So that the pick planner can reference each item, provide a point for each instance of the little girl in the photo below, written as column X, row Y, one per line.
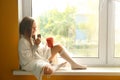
column 36, row 57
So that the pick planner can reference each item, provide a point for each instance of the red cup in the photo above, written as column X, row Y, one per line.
column 49, row 42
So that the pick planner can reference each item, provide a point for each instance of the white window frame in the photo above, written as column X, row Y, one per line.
column 106, row 36
column 24, row 8
column 111, row 34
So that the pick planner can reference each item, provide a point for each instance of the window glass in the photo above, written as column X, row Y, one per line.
column 117, row 28
column 73, row 23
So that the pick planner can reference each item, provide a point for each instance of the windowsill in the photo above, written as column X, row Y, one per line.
column 102, row 71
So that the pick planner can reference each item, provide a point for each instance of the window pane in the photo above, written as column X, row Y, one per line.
column 117, row 28
column 74, row 23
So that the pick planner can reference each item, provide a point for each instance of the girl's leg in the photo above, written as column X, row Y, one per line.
column 74, row 65
column 65, row 55
column 48, row 69
column 56, row 49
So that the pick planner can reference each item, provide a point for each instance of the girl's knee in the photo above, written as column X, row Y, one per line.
column 59, row 46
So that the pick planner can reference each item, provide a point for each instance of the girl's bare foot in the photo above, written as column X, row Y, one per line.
column 56, row 67
column 78, row 67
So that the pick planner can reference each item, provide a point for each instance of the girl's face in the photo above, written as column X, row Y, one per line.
column 34, row 28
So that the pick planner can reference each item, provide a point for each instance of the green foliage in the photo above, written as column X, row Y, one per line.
column 62, row 26
column 59, row 23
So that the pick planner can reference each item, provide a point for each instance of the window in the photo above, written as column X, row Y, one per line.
column 113, row 32
column 70, row 23
column 89, row 29
column 117, row 28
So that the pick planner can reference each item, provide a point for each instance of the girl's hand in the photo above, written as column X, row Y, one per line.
column 37, row 41
column 48, row 69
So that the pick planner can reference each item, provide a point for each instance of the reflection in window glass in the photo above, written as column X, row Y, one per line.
column 74, row 23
